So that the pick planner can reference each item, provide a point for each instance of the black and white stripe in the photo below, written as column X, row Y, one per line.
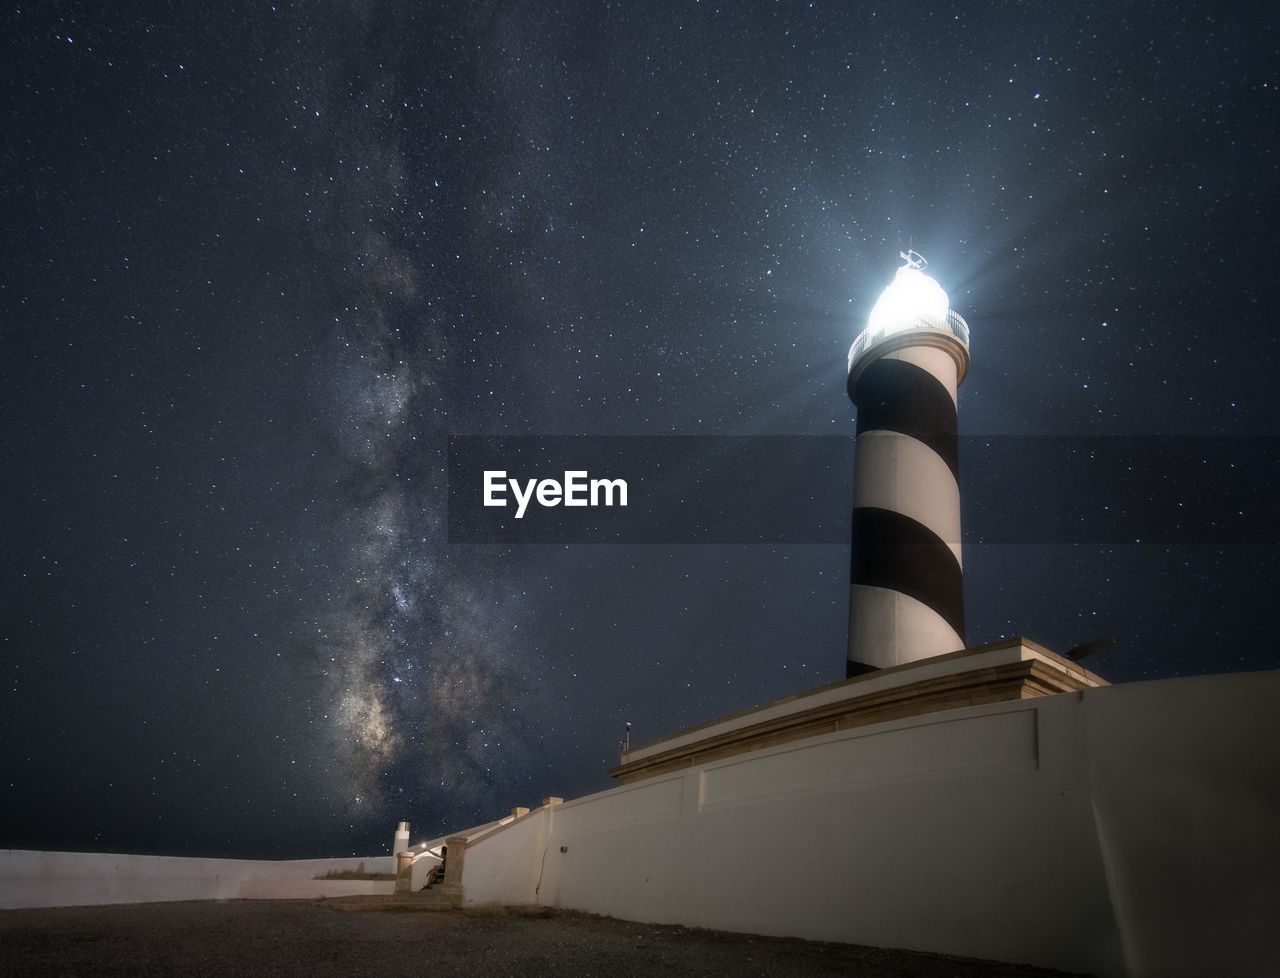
column 907, row 595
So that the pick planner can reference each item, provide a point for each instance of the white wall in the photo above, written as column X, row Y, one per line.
column 61, row 879
column 510, row 871
column 1186, row 804
column 1127, row 829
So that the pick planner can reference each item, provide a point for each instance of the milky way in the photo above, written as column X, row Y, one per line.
column 427, row 698
column 429, row 694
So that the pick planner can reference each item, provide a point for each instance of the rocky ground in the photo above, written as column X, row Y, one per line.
column 314, row 939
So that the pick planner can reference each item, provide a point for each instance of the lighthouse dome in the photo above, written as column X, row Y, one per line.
column 913, row 311
column 912, row 300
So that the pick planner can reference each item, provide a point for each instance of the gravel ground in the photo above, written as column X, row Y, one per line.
column 312, row 939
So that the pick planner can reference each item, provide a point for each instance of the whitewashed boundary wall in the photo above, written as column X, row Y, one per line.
column 63, row 879
column 1123, row 830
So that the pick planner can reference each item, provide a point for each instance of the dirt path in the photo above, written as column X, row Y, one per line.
column 302, row 938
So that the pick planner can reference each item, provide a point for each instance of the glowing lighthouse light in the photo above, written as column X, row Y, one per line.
column 912, row 299
column 912, row 307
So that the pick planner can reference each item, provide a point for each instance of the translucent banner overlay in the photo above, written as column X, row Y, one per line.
column 799, row 489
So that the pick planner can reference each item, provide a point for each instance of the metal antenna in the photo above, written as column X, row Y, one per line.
column 913, row 259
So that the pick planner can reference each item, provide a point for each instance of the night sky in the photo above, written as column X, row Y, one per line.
column 260, row 262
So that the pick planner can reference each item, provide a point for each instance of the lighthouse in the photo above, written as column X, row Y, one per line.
column 906, row 594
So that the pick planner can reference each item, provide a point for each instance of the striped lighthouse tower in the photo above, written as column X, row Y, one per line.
column 907, row 596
